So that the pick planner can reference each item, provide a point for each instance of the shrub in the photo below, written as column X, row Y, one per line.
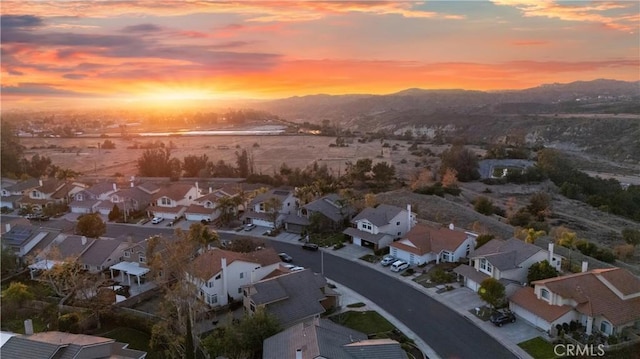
column 338, row 246
column 623, row 251
column 69, row 322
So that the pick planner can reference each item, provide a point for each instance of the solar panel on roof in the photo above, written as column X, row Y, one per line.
column 281, row 193
column 18, row 234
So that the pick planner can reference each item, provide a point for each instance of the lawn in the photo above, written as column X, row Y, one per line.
column 370, row 258
column 538, row 348
column 368, row 322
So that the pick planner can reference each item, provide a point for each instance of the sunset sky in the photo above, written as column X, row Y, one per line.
column 111, row 52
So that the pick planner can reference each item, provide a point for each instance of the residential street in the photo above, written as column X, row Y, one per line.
column 446, row 332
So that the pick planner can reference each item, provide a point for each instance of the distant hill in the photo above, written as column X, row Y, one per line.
column 560, row 114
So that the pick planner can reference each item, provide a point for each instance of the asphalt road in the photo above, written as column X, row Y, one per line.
column 447, row 333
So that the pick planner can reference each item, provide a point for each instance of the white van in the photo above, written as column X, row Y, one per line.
column 399, row 265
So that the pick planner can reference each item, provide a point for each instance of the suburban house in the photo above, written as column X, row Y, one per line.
column 127, row 199
column 259, row 212
column 378, row 227
column 103, row 253
column 322, row 338
column 603, row 300
column 25, row 240
column 172, row 200
column 11, row 191
column 507, row 261
column 220, row 275
column 424, row 244
column 205, row 208
column 87, row 200
column 134, row 262
column 48, row 192
column 292, row 298
column 330, row 210
column 64, row 345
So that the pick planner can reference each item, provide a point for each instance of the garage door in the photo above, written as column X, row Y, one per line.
column 261, row 222
column 529, row 317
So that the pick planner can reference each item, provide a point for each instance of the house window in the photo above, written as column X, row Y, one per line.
column 605, row 327
column 209, row 284
column 545, row 294
column 127, row 254
column 79, row 197
column 485, row 266
column 398, row 223
column 165, row 201
column 217, row 277
column 261, row 207
column 212, row 298
column 244, row 293
column 252, row 307
column 142, row 258
column 241, row 275
column 34, row 194
column 239, row 290
column 367, row 226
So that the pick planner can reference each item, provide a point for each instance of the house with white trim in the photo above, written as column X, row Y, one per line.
column 507, row 261
column 220, row 275
column 602, row 300
column 87, row 200
column 172, row 200
column 425, row 244
column 259, row 214
column 377, row 227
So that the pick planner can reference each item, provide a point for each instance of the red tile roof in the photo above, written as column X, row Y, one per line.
column 423, row 239
column 606, row 292
column 526, row 298
column 209, row 263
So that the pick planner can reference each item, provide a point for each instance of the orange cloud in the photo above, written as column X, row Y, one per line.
column 584, row 12
column 259, row 11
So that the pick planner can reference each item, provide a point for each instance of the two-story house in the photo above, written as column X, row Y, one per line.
column 48, row 192
column 424, row 244
column 220, row 274
column 134, row 262
column 507, row 261
column 205, row 208
column 25, row 240
column 127, row 199
column 292, row 298
column 330, row 211
column 172, row 200
column 603, row 300
column 270, row 208
column 378, row 227
column 87, row 200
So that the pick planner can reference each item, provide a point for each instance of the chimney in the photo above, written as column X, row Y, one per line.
column 210, row 189
column 223, row 264
column 409, row 218
column 585, row 266
column 452, row 226
column 40, row 182
column 550, row 259
column 28, row 327
column 7, row 227
column 115, row 187
column 298, row 353
column 84, row 240
column 197, row 189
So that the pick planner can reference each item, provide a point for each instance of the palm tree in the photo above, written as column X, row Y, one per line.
column 228, row 207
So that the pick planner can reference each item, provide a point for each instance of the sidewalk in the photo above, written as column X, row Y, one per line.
column 462, row 300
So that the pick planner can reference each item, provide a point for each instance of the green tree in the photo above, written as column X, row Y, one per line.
column 38, row 166
column 195, row 166
column 242, row 162
column 108, row 145
column 242, row 340
column 492, row 292
column 16, row 294
column 462, row 160
column 540, row 205
column 8, row 260
column 155, row 162
column 11, row 151
column 360, row 170
column 383, row 173
column 483, row 205
column 272, row 207
column 631, row 236
column 541, row 270
column 91, row 225
column 115, row 214
column 201, row 235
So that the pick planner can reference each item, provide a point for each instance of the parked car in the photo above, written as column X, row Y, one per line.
column 387, row 260
column 157, row 220
column 399, row 265
column 310, row 246
column 296, row 268
column 248, row 227
column 285, row 257
column 502, row 317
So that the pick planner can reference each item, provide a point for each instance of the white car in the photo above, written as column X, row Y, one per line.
column 296, row 268
column 399, row 265
column 387, row 260
column 157, row 220
column 249, row 227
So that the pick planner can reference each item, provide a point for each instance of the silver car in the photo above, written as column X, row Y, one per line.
column 387, row 260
